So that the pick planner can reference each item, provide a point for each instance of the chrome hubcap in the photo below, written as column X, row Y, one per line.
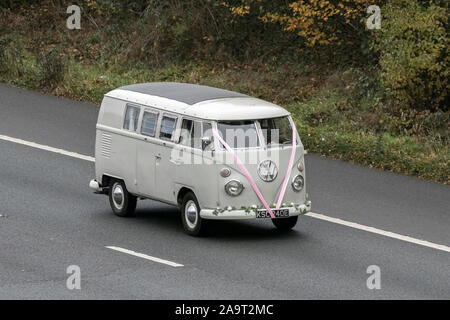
column 117, row 196
column 191, row 214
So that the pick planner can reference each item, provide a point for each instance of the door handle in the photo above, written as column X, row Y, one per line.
column 158, row 156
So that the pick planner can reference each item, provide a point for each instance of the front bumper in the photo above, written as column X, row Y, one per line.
column 240, row 214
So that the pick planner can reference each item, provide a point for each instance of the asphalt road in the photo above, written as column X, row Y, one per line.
column 50, row 219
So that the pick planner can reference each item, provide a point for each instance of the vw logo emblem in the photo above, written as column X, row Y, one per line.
column 267, row 170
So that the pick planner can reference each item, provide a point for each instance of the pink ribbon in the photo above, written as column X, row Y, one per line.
column 249, row 178
column 289, row 169
column 244, row 172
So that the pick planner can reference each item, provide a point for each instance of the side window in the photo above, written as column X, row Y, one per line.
column 131, row 118
column 149, row 120
column 191, row 131
column 186, row 128
column 197, row 135
column 207, row 130
column 207, row 133
column 167, row 127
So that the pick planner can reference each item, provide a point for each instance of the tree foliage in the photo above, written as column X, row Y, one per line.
column 413, row 47
column 321, row 22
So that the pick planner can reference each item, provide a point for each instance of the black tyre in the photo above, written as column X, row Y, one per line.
column 193, row 224
column 285, row 223
column 122, row 202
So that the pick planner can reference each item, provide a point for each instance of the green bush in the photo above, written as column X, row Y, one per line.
column 52, row 68
column 412, row 45
column 160, row 31
column 3, row 55
column 11, row 58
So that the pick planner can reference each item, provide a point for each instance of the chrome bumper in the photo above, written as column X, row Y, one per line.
column 240, row 214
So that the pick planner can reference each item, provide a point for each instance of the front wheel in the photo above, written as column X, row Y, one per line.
column 193, row 224
column 122, row 202
column 285, row 223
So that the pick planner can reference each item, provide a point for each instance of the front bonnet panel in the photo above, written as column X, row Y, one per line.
column 269, row 189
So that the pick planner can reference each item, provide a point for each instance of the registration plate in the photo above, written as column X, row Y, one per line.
column 280, row 213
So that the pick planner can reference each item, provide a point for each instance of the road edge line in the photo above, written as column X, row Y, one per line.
column 47, row 148
column 379, row 231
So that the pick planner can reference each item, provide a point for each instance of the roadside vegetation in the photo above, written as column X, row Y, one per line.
column 374, row 97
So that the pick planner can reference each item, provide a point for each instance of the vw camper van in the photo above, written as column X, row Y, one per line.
column 216, row 154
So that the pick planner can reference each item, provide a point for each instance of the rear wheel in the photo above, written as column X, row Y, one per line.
column 285, row 223
column 123, row 204
column 193, row 224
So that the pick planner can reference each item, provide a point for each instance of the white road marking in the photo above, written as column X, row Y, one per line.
column 310, row 214
column 144, row 256
column 48, row 148
column 379, row 231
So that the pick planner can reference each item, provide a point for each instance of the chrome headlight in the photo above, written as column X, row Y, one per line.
column 297, row 183
column 234, row 188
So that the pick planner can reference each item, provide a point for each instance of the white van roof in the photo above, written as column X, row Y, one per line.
column 198, row 101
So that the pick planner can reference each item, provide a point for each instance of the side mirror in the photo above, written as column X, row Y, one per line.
column 206, row 141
